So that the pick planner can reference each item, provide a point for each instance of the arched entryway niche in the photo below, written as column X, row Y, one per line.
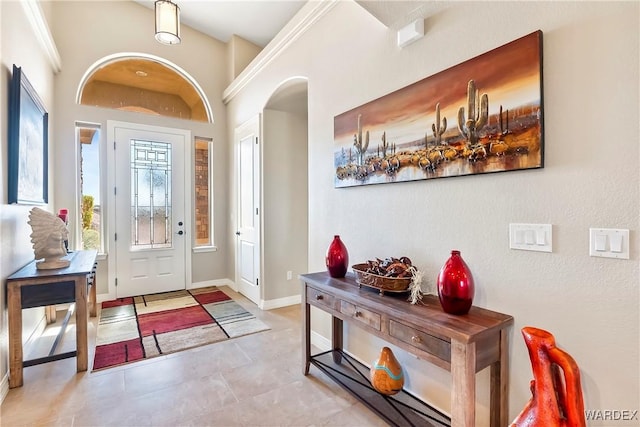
column 285, row 188
column 146, row 84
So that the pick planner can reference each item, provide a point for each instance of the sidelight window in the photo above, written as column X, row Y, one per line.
column 203, row 194
column 90, row 223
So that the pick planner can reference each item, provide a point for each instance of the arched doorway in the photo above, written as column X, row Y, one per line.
column 148, row 84
column 285, row 189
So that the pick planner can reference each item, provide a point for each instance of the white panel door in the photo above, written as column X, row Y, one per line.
column 248, row 221
column 150, row 192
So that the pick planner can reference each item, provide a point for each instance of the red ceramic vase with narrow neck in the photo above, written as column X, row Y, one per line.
column 337, row 258
column 455, row 285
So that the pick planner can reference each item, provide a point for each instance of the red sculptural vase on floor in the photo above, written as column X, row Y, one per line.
column 455, row 285
column 337, row 258
column 557, row 400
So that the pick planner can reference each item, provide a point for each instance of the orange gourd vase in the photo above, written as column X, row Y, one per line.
column 557, row 399
column 386, row 373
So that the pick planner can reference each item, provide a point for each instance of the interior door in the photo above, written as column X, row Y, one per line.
column 150, row 195
column 248, row 220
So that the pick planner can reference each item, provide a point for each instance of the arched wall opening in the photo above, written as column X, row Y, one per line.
column 143, row 83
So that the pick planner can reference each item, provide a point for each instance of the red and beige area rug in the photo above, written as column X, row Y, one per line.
column 147, row 326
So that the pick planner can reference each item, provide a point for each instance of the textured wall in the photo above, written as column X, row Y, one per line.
column 590, row 179
column 19, row 46
column 284, row 154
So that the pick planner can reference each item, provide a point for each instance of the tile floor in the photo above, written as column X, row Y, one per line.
column 255, row 380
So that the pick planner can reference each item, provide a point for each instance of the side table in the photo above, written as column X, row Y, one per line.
column 30, row 287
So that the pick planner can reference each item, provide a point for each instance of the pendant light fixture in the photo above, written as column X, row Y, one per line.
column 167, row 22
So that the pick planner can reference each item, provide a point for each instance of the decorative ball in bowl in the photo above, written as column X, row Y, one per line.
column 388, row 275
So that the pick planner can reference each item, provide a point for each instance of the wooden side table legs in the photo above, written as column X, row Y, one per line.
column 14, row 300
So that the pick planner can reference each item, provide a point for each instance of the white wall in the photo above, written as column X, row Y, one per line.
column 285, row 244
column 590, row 179
column 128, row 27
column 240, row 53
column 19, row 45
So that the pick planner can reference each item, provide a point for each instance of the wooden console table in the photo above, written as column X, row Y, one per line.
column 463, row 345
column 30, row 287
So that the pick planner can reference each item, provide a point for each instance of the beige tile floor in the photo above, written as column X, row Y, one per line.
column 255, row 380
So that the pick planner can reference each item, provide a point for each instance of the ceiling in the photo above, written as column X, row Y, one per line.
column 257, row 21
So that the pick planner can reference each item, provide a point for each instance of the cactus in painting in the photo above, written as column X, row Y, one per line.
column 504, row 127
column 361, row 146
column 498, row 146
column 437, row 127
column 385, row 144
column 478, row 114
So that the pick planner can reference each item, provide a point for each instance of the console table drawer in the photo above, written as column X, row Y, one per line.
column 421, row 340
column 317, row 297
column 360, row 314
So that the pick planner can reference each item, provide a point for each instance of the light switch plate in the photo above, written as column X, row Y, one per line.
column 609, row 243
column 531, row 237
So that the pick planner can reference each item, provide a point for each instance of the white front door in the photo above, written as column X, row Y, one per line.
column 150, row 195
column 248, row 221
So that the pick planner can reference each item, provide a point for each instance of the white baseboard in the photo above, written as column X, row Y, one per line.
column 218, row 282
column 323, row 344
column 264, row 304
column 104, row 297
column 36, row 333
column 280, row 302
column 4, row 387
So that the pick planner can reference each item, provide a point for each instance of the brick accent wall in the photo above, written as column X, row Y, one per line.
column 202, row 192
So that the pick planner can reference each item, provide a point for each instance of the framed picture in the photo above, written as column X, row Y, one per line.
column 28, row 140
column 481, row 116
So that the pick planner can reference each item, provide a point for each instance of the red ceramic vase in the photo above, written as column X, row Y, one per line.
column 455, row 285
column 337, row 258
column 556, row 389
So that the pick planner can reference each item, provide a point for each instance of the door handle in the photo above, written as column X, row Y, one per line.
column 237, row 233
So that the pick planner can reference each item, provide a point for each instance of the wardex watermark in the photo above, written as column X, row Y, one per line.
column 611, row 414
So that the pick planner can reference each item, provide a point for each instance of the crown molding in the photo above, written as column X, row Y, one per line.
column 41, row 30
column 304, row 20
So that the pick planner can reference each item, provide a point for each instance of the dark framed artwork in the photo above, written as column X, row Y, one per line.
column 481, row 116
column 28, row 141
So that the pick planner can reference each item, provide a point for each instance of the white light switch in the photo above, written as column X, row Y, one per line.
column 528, row 237
column 616, row 243
column 609, row 243
column 531, row 237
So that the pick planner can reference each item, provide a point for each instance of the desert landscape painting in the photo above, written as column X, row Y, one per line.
column 481, row 116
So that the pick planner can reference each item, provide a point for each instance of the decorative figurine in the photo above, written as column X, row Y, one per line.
column 48, row 236
column 386, row 373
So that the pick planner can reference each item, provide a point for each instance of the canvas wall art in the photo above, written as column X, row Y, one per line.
column 481, row 116
column 27, row 152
